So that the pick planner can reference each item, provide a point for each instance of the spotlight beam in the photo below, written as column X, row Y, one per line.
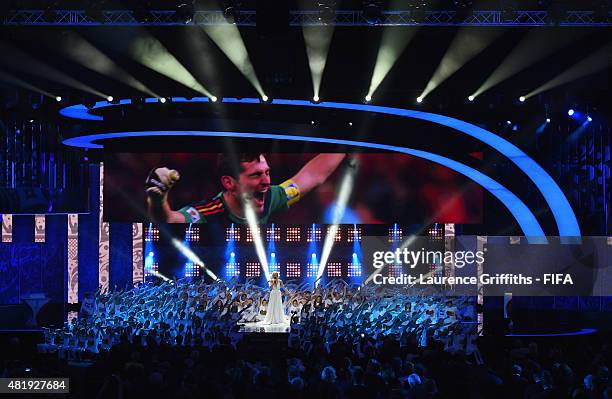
column 394, row 41
column 228, row 39
column 317, row 40
column 189, row 254
column 346, row 187
column 251, row 218
column 22, row 61
column 7, row 77
column 595, row 62
column 467, row 44
column 80, row 50
column 534, row 47
column 151, row 53
column 159, row 275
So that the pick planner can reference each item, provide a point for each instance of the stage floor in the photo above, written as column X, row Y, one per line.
column 260, row 327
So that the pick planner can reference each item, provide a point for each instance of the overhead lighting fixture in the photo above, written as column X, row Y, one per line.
column 327, row 11
column 315, row 99
column 162, row 100
column 547, row 120
column 419, row 100
column 372, row 12
column 141, row 13
column 265, row 98
column 522, row 99
column 213, row 99
column 185, row 12
column 368, row 98
column 470, row 98
column 58, row 98
column 463, row 10
column 109, row 99
column 231, row 12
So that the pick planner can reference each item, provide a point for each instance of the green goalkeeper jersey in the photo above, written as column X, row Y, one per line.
column 277, row 199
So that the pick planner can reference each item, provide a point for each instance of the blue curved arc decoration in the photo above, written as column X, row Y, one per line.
column 523, row 215
column 564, row 216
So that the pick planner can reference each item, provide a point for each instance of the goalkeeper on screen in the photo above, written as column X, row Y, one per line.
column 245, row 181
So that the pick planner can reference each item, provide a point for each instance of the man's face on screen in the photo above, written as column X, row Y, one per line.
column 253, row 183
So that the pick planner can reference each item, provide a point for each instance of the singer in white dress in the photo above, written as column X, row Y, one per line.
column 276, row 312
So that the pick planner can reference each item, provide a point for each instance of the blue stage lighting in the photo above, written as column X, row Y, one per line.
column 233, row 255
column 570, row 112
column 354, row 254
column 508, row 122
column 314, row 255
column 589, row 119
column 273, row 255
column 563, row 214
column 151, row 254
column 547, row 120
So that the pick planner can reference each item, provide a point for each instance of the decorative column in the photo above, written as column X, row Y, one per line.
column 103, row 242
column 73, row 258
column 137, row 259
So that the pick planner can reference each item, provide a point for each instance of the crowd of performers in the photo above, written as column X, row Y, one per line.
column 191, row 312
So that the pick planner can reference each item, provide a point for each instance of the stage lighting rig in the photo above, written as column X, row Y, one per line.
column 231, row 11
column 141, row 11
column 185, row 12
column 93, row 10
column 50, row 12
column 508, row 13
column 113, row 100
column 327, row 11
column 372, row 12
column 463, row 10
column 557, row 11
column 417, row 10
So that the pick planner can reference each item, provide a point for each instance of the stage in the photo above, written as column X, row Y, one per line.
column 260, row 327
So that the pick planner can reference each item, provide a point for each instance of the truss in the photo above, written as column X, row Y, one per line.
column 308, row 18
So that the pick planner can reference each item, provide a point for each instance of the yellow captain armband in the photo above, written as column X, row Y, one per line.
column 292, row 191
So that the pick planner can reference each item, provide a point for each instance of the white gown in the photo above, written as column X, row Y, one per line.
column 275, row 313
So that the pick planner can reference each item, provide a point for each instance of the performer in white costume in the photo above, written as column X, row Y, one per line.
column 275, row 313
